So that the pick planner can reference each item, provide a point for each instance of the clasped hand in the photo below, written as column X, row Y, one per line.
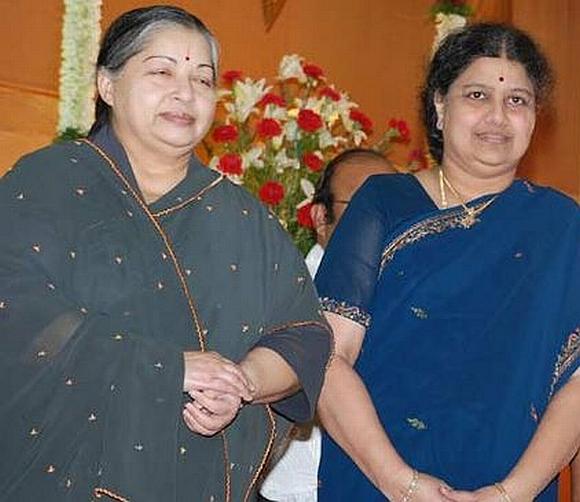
column 217, row 387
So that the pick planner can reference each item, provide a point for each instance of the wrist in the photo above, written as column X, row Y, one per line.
column 396, row 484
column 248, row 367
column 516, row 490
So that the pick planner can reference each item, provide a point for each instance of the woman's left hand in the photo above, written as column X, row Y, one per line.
column 210, row 412
column 486, row 494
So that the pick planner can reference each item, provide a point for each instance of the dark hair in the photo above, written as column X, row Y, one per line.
column 130, row 32
column 323, row 194
column 462, row 47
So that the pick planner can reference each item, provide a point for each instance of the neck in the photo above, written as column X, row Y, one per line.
column 156, row 172
column 470, row 186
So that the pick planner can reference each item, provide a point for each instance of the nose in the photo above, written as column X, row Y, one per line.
column 497, row 111
column 183, row 89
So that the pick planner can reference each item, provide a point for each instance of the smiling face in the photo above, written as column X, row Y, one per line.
column 487, row 117
column 163, row 99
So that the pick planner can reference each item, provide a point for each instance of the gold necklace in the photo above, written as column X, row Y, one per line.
column 470, row 214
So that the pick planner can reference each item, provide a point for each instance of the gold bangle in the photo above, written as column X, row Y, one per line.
column 503, row 493
column 413, row 485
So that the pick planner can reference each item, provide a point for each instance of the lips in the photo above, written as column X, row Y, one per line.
column 494, row 138
column 179, row 118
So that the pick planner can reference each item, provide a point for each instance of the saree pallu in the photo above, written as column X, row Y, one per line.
column 471, row 330
column 100, row 294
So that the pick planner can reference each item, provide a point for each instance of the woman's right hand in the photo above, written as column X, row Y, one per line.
column 430, row 489
column 427, row 489
column 211, row 371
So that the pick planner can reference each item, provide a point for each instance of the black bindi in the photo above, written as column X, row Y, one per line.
column 501, row 79
column 187, row 58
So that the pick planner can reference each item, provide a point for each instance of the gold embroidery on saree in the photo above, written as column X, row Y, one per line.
column 431, row 226
column 266, row 454
column 194, row 198
column 568, row 354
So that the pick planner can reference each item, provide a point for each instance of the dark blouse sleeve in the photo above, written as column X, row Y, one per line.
column 349, row 270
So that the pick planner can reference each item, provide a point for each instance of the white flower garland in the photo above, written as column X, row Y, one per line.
column 80, row 42
column 445, row 24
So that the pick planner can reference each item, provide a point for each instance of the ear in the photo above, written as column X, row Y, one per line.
column 439, row 102
column 105, row 86
column 318, row 215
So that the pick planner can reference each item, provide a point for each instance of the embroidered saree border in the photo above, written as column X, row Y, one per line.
column 431, row 226
column 266, row 454
column 569, row 352
column 343, row 309
column 99, row 492
column 194, row 198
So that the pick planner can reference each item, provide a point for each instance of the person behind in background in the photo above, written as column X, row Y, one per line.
column 149, row 308
column 294, row 478
column 455, row 293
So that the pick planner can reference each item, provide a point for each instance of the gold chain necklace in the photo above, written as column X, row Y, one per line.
column 470, row 214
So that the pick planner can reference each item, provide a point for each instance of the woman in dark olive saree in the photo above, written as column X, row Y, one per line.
column 148, row 314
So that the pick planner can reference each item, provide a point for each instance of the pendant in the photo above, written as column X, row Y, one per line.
column 468, row 219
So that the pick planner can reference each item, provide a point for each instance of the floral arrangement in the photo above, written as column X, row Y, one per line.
column 80, row 42
column 449, row 15
column 448, row 7
column 276, row 139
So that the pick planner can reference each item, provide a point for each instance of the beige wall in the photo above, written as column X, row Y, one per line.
column 375, row 49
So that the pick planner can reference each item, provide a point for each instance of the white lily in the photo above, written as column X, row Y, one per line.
column 246, row 95
column 291, row 67
column 253, row 157
column 273, row 111
column 307, row 188
column 282, row 161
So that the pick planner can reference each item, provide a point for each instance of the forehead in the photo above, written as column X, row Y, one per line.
column 176, row 41
column 495, row 71
column 351, row 174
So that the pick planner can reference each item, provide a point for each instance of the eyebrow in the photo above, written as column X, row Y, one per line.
column 516, row 89
column 174, row 61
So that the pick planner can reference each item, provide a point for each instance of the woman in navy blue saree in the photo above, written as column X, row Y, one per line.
column 456, row 292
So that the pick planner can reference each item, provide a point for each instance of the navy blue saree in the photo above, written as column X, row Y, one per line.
column 470, row 330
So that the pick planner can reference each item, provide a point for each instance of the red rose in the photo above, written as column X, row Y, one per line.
column 312, row 162
column 402, row 130
column 274, row 99
column 229, row 77
column 303, row 216
column 418, row 160
column 230, row 163
column 225, row 133
column 366, row 124
column 312, row 71
column 330, row 93
column 309, row 121
column 268, row 128
column 271, row 193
